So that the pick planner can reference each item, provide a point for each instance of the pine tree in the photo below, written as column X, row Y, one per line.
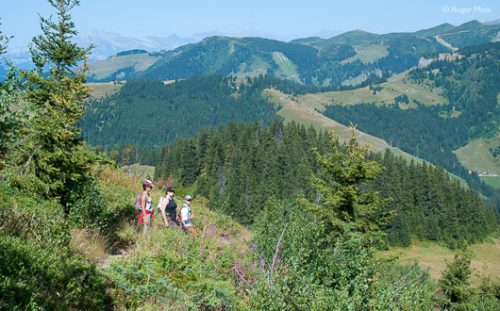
column 53, row 160
column 339, row 185
column 456, row 291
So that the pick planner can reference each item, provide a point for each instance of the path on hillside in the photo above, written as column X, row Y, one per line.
column 445, row 43
column 106, row 261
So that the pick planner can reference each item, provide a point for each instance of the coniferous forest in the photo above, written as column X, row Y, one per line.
column 239, row 167
column 471, row 85
column 142, row 110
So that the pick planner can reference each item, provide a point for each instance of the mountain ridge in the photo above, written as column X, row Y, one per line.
column 348, row 59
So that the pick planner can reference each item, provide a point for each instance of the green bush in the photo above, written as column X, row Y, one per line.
column 174, row 270
column 404, row 288
column 37, row 278
column 29, row 217
column 317, row 273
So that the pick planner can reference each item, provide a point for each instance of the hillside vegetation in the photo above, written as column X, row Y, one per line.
column 239, row 167
column 117, row 67
column 140, row 112
column 470, row 85
column 481, row 156
column 287, row 218
column 354, row 58
column 386, row 94
column 433, row 257
column 148, row 113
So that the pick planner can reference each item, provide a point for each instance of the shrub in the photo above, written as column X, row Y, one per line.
column 28, row 217
column 37, row 278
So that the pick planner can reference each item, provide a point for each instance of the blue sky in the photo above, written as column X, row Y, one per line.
column 279, row 18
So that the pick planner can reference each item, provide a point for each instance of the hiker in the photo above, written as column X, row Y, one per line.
column 146, row 213
column 187, row 216
column 168, row 208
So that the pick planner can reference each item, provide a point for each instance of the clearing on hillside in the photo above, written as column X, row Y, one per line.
column 433, row 257
column 367, row 53
column 293, row 109
column 287, row 68
column 397, row 85
column 105, row 68
column 478, row 156
column 100, row 90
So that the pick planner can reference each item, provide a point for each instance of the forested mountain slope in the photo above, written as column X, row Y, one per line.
column 239, row 167
column 350, row 59
column 148, row 113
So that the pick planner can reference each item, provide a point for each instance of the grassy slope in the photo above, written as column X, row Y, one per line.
column 222, row 244
column 257, row 66
column 139, row 171
column 293, row 109
column 433, row 257
column 221, row 247
column 476, row 156
column 105, row 68
column 304, row 110
column 492, row 181
column 367, row 53
column 397, row 85
column 287, row 68
column 99, row 90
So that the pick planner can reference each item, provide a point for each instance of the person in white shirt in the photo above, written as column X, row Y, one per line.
column 187, row 216
column 146, row 215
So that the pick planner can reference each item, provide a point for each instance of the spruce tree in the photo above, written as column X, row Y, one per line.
column 53, row 160
column 341, row 198
column 457, row 294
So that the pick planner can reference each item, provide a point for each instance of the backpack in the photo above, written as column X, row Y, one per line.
column 138, row 207
column 179, row 219
column 159, row 203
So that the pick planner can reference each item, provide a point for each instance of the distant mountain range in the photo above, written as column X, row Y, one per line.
column 353, row 58
column 109, row 43
column 429, row 111
column 350, row 59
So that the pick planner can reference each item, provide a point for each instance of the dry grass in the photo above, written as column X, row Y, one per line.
column 476, row 156
column 139, row 171
column 89, row 244
column 104, row 68
column 485, row 262
column 119, row 178
column 100, row 90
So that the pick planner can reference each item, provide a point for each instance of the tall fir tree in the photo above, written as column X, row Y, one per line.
column 456, row 291
column 342, row 173
column 53, row 160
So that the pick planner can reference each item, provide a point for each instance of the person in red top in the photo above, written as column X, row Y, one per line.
column 146, row 215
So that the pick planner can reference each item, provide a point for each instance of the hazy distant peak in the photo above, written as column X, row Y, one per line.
column 494, row 22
